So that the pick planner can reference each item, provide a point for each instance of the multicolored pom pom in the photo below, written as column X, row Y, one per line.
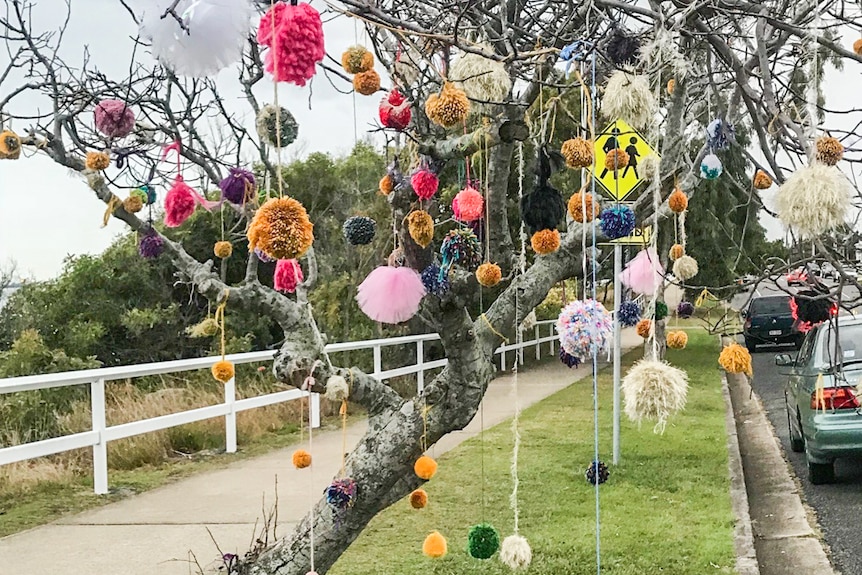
column 597, row 473
column 617, row 221
column 585, row 328
column 710, row 167
column 341, row 494
column 629, row 313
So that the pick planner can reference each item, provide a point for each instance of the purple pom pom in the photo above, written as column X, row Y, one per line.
column 617, row 221
column 238, row 187
column 152, row 245
column 569, row 360
column 263, row 256
column 685, row 309
column 436, row 281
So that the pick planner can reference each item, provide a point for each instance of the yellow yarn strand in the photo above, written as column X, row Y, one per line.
column 113, row 204
column 219, row 318
column 491, row 327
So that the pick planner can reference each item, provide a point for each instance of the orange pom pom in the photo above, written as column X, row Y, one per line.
column 829, row 150
column 578, row 153
column 425, row 467
column 434, row 545
column 617, row 159
column 223, row 371
column 301, row 459
column 97, row 161
column 857, row 47
column 449, row 107
column 281, row 229
column 133, row 204
column 418, row 499
column 736, row 359
column 676, row 252
column 357, row 59
column 222, row 250
column 762, row 181
column 386, row 185
column 678, row 201
column 644, row 327
column 10, row 145
column 421, row 227
column 677, row 339
column 489, row 274
column 366, row 83
column 576, row 207
column 545, row 242
column 671, row 86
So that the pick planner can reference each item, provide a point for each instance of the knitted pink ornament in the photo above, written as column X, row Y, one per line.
column 644, row 273
column 287, row 276
column 179, row 203
column 294, row 36
column 468, row 205
column 424, row 183
column 395, row 111
column 114, row 118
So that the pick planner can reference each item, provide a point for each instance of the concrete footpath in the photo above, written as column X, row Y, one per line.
column 155, row 532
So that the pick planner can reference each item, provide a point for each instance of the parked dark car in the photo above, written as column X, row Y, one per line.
column 768, row 320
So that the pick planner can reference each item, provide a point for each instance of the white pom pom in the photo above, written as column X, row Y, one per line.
column 480, row 77
column 515, row 552
column 648, row 167
column 628, row 97
column 216, row 34
column 529, row 321
column 337, row 388
column 654, row 390
column 710, row 167
column 673, row 295
column 814, row 200
column 685, row 268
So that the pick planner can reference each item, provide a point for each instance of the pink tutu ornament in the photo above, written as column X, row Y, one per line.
column 288, row 275
column 644, row 274
column 294, row 36
column 585, row 328
column 114, row 118
column 391, row 295
column 468, row 205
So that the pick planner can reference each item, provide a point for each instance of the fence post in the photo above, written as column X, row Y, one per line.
column 314, row 405
column 100, row 450
column 538, row 345
column 552, row 339
column 230, row 418
column 503, row 358
column 420, row 361
column 378, row 362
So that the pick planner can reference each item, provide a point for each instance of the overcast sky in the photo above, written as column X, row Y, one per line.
column 47, row 214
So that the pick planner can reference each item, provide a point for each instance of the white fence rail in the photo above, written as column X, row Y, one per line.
column 100, row 434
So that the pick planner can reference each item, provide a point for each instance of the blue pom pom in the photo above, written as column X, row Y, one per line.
column 597, row 472
column 685, row 309
column 568, row 359
column 710, row 167
column 629, row 314
column 617, row 221
column 435, row 280
column 719, row 134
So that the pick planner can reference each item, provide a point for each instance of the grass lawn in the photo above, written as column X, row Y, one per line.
column 666, row 509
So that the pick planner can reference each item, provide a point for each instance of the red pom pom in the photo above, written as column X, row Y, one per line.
column 287, row 275
column 179, row 203
column 294, row 36
column 468, row 205
column 424, row 183
column 396, row 98
column 395, row 111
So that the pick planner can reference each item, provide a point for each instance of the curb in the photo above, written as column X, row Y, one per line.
column 743, row 535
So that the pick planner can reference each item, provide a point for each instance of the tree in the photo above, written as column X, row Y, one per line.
column 416, row 42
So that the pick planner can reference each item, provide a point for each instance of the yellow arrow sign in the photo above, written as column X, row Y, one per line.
column 625, row 179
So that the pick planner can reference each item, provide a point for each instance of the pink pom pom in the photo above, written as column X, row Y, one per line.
column 294, row 36
column 179, row 203
column 287, row 276
column 114, row 118
column 468, row 205
column 424, row 183
column 391, row 295
column 644, row 273
column 395, row 111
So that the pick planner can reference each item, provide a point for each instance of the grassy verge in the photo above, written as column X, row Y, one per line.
column 666, row 509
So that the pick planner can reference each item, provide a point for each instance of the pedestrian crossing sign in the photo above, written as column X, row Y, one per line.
column 619, row 183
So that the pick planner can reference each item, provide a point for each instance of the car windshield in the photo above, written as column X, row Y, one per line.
column 770, row 306
column 848, row 347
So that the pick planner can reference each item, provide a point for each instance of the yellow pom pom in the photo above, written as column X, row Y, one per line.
column 418, row 499
column 301, row 459
column 425, row 467
column 421, row 227
column 578, row 153
column 223, row 371
column 386, row 185
column 677, row 339
column 97, row 161
column 829, row 150
column 616, row 160
column 449, row 107
column 133, row 204
column 671, row 86
column 222, row 250
column 857, row 47
column 676, row 252
column 736, row 359
column 281, row 229
column 678, row 201
column 545, row 242
column 489, row 274
column 357, row 59
column 576, row 207
column 366, row 83
column 434, row 545
column 10, row 145
column 762, row 181
column 644, row 327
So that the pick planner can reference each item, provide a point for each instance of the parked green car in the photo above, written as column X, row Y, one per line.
column 825, row 420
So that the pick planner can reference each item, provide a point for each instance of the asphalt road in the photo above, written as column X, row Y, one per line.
column 839, row 505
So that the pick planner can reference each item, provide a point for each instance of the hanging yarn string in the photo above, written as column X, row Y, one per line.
column 294, row 35
column 222, row 370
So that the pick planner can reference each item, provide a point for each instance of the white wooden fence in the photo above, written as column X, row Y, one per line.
column 100, row 434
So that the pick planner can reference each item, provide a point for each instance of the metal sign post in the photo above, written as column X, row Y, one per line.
column 618, row 268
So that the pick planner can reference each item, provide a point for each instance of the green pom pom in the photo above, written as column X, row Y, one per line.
column 660, row 310
column 483, row 541
column 139, row 193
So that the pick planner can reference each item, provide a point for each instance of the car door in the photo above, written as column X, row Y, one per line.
column 796, row 380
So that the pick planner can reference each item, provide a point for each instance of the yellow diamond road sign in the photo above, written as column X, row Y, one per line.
column 625, row 179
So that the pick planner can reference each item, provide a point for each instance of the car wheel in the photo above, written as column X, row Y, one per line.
column 797, row 445
column 821, row 473
column 752, row 347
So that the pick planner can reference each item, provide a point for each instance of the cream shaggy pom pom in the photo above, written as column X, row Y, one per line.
column 515, row 552
column 685, row 268
column 673, row 295
column 653, row 391
column 480, row 77
column 814, row 200
column 337, row 388
column 628, row 96
column 648, row 167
